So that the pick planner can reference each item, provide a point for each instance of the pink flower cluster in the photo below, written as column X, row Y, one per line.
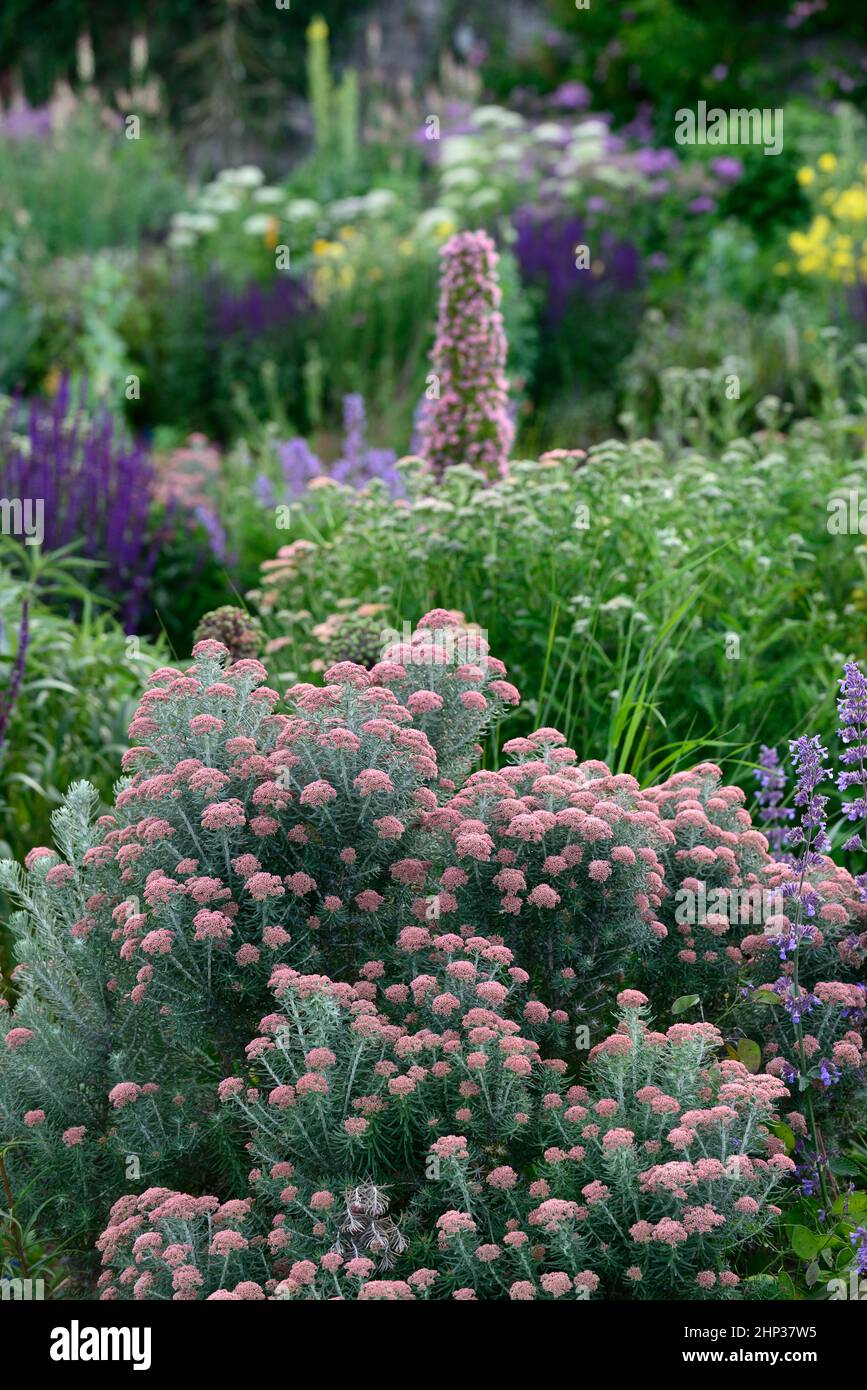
column 571, row 850
column 166, row 1244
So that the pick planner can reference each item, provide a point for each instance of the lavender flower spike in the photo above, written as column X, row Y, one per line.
column 808, row 760
column 771, row 777
column 852, row 710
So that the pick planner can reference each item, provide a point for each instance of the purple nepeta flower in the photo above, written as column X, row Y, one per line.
column 829, row 1075
column 852, row 711
column 640, row 129
column 797, row 932
column 771, row 777
column 796, row 1006
column 808, row 760
column 859, row 1240
column 354, row 424
column 357, row 464
column 727, row 167
column 298, row 464
column 808, row 757
column 379, row 463
column 263, row 491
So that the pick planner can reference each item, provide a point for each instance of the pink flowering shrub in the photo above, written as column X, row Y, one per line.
column 680, row 1138
column 468, row 420
column 311, row 954
column 244, row 838
column 354, row 1079
column 648, row 1177
column 644, row 1182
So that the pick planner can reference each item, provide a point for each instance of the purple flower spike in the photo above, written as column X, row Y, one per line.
column 96, row 487
column 852, row 712
column 771, row 777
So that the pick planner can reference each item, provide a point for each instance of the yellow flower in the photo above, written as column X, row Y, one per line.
column 851, row 206
column 317, row 29
column 827, row 163
column 405, row 247
column 346, row 276
column 328, row 248
column 445, row 228
column 347, row 233
column 271, row 235
column 806, row 176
